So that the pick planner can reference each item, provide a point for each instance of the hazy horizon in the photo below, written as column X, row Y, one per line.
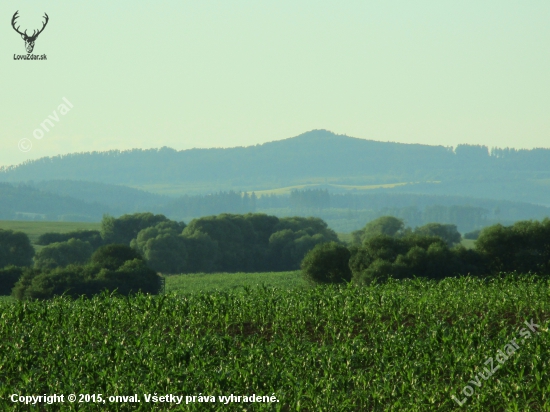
column 212, row 74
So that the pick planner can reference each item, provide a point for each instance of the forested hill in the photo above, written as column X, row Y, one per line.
column 119, row 199
column 315, row 156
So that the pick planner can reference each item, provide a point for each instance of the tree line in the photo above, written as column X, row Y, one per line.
column 127, row 252
column 219, row 243
column 87, row 201
column 385, row 249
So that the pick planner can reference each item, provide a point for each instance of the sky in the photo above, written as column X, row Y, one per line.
column 205, row 73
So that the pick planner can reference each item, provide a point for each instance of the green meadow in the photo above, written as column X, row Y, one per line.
column 355, row 184
column 288, row 189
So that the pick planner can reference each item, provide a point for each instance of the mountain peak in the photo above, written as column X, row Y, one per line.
column 321, row 134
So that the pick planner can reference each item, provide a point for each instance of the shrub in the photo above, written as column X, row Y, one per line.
column 114, row 256
column 15, row 249
column 111, row 267
column 75, row 280
column 167, row 253
column 202, row 252
column 327, row 263
column 93, row 237
column 288, row 248
column 61, row 254
column 378, row 271
column 20, row 288
column 131, row 277
column 382, row 257
column 71, row 280
column 522, row 247
column 254, row 242
column 166, row 250
column 125, row 228
column 384, row 225
column 447, row 232
column 8, row 278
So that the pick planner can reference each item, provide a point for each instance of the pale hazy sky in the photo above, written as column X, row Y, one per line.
column 229, row 73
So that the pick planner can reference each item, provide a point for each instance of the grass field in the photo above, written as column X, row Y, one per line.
column 196, row 188
column 272, row 189
column 210, row 282
column 468, row 243
column 35, row 229
column 286, row 190
column 402, row 346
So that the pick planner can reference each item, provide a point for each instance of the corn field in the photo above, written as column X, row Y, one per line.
column 403, row 346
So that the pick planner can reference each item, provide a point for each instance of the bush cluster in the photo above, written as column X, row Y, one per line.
column 61, row 254
column 327, row 263
column 129, row 251
column 394, row 227
column 231, row 243
column 85, row 262
column 522, row 247
column 389, row 250
column 93, row 237
column 111, row 267
column 382, row 257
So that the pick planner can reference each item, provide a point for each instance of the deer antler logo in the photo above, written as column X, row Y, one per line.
column 29, row 40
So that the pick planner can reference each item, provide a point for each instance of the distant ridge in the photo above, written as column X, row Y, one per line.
column 316, row 156
column 24, row 202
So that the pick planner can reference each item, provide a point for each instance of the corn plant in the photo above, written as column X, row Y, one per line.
column 402, row 346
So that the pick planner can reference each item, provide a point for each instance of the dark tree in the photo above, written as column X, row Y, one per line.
column 382, row 257
column 131, row 277
column 8, row 278
column 15, row 249
column 202, row 251
column 293, row 238
column 385, row 225
column 93, row 237
column 167, row 253
column 522, row 247
column 237, row 241
column 113, row 268
column 125, row 228
column 327, row 263
column 449, row 233
column 114, row 256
